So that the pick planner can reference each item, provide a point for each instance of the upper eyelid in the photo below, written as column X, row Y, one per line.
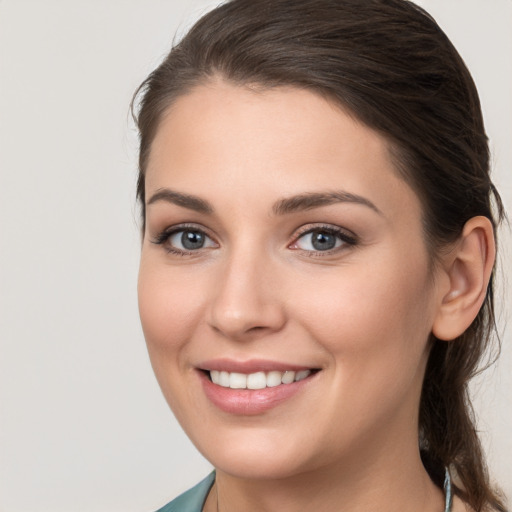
column 186, row 226
column 164, row 234
column 309, row 228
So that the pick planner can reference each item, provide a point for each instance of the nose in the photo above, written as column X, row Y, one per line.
column 247, row 301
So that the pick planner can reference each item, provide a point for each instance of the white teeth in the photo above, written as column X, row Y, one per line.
column 274, row 379
column 258, row 380
column 288, row 377
column 302, row 375
column 224, row 379
column 237, row 380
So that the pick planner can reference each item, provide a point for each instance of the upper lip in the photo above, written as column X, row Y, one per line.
column 250, row 366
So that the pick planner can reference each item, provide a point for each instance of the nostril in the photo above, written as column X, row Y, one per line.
column 256, row 328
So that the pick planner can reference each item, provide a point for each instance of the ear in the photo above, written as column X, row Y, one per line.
column 468, row 269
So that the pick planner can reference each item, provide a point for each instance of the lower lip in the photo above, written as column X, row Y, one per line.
column 250, row 402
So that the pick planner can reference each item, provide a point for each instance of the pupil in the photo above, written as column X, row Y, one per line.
column 192, row 240
column 323, row 241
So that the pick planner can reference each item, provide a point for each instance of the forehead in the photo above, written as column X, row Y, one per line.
column 285, row 140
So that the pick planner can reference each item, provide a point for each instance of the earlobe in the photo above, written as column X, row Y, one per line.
column 468, row 268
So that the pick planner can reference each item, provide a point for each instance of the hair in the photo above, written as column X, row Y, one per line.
column 390, row 65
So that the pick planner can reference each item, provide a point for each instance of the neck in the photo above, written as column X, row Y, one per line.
column 374, row 482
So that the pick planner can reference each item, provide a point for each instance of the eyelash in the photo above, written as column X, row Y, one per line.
column 347, row 238
column 164, row 236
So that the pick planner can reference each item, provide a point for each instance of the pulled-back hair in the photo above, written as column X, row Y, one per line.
column 389, row 64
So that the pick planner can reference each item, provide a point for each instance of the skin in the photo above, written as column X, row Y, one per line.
column 361, row 313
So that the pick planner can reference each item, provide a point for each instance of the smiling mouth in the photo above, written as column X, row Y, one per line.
column 257, row 380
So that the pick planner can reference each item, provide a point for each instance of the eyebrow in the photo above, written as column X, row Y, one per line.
column 185, row 200
column 300, row 202
column 311, row 200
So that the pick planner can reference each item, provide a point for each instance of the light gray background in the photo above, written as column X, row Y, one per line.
column 83, row 426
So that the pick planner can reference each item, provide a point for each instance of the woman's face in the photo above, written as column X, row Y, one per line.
column 281, row 244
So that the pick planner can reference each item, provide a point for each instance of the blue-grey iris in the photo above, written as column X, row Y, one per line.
column 323, row 241
column 192, row 240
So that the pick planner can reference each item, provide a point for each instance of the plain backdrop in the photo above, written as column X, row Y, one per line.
column 83, row 425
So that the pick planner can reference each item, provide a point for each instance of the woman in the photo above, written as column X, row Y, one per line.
column 316, row 276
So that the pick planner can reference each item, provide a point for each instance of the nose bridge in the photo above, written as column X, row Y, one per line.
column 246, row 301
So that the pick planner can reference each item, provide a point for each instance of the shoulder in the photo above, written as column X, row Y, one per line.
column 193, row 499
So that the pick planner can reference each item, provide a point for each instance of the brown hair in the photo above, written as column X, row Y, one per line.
column 389, row 63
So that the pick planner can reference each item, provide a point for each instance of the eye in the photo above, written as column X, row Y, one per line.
column 323, row 239
column 182, row 240
column 188, row 240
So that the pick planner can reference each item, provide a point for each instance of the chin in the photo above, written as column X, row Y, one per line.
column 257, row 468
column 256, row 455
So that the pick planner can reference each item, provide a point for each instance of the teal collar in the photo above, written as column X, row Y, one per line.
column 194, row 499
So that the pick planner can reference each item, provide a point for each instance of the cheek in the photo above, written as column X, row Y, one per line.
column 375, row 330
column 169, row 311
column 169, row 308
column 370, row 314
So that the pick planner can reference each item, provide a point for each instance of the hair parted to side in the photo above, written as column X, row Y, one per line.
column 390, row 65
